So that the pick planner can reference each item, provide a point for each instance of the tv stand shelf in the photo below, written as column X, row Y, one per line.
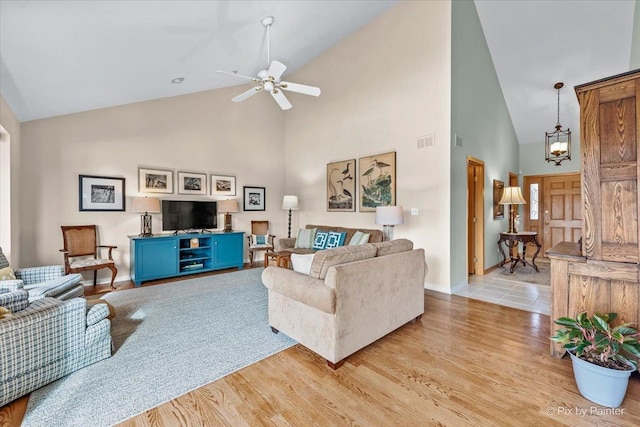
column 170, row 255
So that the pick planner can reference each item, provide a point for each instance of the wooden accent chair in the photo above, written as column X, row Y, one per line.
column 80, row 241
column 259, row 239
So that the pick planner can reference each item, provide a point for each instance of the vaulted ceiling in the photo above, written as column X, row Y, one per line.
column 59, row 57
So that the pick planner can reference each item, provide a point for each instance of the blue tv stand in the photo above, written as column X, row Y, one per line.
column 169, row 255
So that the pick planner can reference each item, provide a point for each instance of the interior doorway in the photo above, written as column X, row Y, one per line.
column 554, row 208
column 475, row 216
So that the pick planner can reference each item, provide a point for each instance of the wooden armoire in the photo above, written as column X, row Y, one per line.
column 603, row 275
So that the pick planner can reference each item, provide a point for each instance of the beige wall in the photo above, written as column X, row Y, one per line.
column 382, row 87
column 10, row 145
column 201, row 132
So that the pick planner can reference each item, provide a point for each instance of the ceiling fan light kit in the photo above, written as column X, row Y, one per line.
column 269, row 80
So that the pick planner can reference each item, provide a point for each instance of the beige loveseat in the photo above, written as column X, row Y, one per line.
column 288, row 244
column 353, row 296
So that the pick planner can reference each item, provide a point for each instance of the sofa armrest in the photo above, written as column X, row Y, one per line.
column 300, row 287
column 96, row 313
column 33, row 275
column 14, row 301
column 11, row 285
column 286, row 243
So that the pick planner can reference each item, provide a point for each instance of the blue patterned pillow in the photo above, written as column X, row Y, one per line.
column 320, row 241
column 335, row 239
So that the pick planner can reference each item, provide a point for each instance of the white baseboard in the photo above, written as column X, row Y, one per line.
column 438, row 288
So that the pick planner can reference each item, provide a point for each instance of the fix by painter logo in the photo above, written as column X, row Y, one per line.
column 582, row 412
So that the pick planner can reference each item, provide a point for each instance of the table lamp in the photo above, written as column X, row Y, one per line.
column 290, row 202
column 146, row 205
column 512, row 196
column 228, row 207
column 388, row 216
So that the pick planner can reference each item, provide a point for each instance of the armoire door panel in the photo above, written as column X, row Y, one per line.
column 618, row 131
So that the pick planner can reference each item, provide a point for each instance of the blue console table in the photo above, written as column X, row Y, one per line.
column 169, row 255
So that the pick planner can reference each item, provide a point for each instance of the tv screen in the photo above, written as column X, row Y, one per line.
column 188, row 215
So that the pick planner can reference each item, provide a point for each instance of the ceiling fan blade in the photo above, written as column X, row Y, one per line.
column 276, row 69
column 282, row 100
column 295, row 87
column 253, row 79
column 247, row 94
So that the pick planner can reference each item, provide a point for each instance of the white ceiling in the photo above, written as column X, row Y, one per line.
column 59, row 57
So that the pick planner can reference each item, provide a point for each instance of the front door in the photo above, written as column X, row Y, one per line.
column 553, row 208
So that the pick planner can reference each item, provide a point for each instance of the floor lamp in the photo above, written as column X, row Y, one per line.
column 291, row 203
column 512, row 196
column 228, row 207
column 388, row 216
column 146, row 205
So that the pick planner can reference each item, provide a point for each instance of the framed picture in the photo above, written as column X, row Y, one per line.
column 155, row 181
column 223, row 185
column 377, row 181
column 192, row 183
column 101, row 193
column 498, row 209
column 341, row 186
column 254, row 198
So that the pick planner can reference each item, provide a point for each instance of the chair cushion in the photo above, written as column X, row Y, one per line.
column 359, row 238
column 320, row 241
column 14, row 301
column 7, row 274
column 335, row 239
column 89, row 263
column 342, row 255
column 4, row 262
column 305, row 238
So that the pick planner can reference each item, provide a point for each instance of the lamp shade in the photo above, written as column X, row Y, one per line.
column 290, row 202
column 230, row 205
column 389, row 215
column 146, row 204
column 512, row 196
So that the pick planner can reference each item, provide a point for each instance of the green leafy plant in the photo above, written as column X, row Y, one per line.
column 594, row 339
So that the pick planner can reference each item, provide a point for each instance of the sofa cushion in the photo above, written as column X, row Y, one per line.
column 359, row 238
column 320, row 241
column 336, row 239
column 305, row 238
column 392, row 247
column 304, row 289
column 14, row 301
column 302, row 262
column 335, row 256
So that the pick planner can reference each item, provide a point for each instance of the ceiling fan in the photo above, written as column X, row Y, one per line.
column 269, row 80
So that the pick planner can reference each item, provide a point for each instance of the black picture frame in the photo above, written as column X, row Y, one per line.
column 100, row 194
column 254, row 198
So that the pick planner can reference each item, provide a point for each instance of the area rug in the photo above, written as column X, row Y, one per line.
column 169, row 339
column 525, row 274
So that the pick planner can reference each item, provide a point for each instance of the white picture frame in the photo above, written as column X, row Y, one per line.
column 155, row 181
column 223, row 185
column 192, row 183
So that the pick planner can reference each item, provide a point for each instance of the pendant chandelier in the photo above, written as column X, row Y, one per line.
column 557, row 144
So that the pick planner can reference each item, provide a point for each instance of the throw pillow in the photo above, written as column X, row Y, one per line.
column 320, row 242
column 260, row 239
column 305, row 238
column 359, row 238
column 336, row 239
column 302, row 262
column 7, row 274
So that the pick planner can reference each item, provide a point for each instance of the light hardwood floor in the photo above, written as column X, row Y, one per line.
column 466, row 362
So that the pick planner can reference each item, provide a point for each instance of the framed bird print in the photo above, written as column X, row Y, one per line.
column 341, row 186
column 377, row 181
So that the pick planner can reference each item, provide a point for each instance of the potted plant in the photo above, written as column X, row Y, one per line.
column 602, row 355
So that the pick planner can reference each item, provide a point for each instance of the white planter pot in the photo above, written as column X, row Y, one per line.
column 600, row 385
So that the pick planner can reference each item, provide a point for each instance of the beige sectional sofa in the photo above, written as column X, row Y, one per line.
column 353, row 296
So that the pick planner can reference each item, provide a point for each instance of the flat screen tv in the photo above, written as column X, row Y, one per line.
column 179, row 215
